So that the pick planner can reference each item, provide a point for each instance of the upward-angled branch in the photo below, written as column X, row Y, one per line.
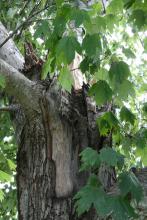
column 9, row 51
column 11, row 64
column 19, row 86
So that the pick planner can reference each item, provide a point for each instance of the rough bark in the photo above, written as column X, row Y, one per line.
column 52, row 128
column 48, row 161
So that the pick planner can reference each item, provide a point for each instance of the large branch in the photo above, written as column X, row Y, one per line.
column 11, row 63
column 9, row 51
column 19, row 86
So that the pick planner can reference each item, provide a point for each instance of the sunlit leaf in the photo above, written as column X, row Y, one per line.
column 65, row 78
column 4, row 176
column 11, row 164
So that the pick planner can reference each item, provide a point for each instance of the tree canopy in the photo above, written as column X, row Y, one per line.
column 111, row 39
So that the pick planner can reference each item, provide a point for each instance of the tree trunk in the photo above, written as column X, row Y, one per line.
column 52, row 127
column 48, row 155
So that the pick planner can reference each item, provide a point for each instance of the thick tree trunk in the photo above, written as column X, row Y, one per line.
column 48, row 155
column 52, row 127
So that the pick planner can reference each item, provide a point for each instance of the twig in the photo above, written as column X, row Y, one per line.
column 22, row 25
column 24, row 7
column 38, row 12
column 13, row 33
column 33, row 9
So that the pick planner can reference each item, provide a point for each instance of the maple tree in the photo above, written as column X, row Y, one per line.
column 110, row 38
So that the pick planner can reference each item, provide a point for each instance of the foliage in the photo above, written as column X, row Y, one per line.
column 93, row 194
column 112, row 41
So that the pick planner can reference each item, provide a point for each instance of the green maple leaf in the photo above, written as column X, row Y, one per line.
column 101, row 91
column 138, row 17
column 120, row 208
column 128, row 183
column 104, row 126
column 119, row 71
column 5, row 176
column 111, row 21
column 110, row 157
column 115, row 6
column 140, row 138
column 124, row 89
column 126, row 115
column 90, row 65
column 106, row 122
column 79, row 16
column 92, row 45
column 65, row 79
column 89, row 158
column 101, row 74
column 96, row 23
column 59, row 25
column 66, row 48
column 43, row 28
column 93, row 180
column 61, row 18
column 88, row 196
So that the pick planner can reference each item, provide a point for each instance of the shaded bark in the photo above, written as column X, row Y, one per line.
column 46, row 183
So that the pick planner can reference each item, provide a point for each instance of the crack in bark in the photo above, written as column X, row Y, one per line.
column 46, row 121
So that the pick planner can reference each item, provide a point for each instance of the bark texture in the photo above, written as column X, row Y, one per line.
column 52, row 127
column 48, row 155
